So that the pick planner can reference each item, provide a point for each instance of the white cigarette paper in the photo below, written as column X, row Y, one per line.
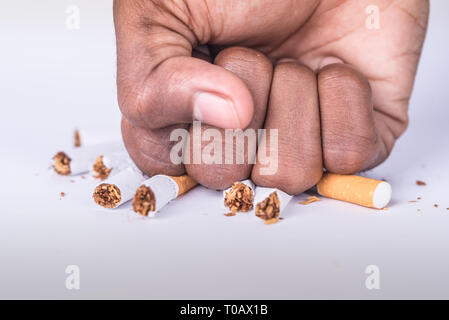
column 118, row 189
column 264, row 193
column 164, row 188
column 229, row 204
column 73, row 162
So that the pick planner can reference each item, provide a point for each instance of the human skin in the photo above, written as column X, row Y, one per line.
column 337, row 91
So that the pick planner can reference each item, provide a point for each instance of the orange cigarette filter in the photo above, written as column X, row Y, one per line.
column 355, row 189
column 185, row 183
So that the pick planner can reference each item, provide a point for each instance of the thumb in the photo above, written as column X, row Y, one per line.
column 160, row 83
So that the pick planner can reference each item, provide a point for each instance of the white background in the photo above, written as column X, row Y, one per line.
column 53, row 79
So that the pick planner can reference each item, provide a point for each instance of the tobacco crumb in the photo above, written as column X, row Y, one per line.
column 144, row 201
column 230, row 214
column 419, row 198
column 436, row 206
column 62, row 164
column 272, row 221
column 102, row 172
column 107, row 195
column 280, row 218
column 421, row 183
column 62, row 194
column 269, row 208
column 77, row 139
column 412, row 201
column 310, row 200
column 239, row 198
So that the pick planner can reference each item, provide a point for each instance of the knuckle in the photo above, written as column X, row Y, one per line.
column 149, row 151
column 291, row 180
column 217, row 177
column 256, row 60
column 346, row 153
column 294, row 71
column 345, row 161
column 335, row 76
column 135, row 103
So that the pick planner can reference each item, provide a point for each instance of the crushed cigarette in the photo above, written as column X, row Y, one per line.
column 100, row 170
column 62, row 164
column 158, row 191
column 270, row 202
column 310, row 200
column 355, row 189
column 119, row 188
column 421, row 183
column 272, row 221
column 144, row 201
column 107, row 195
column 77, row 139
column 269, row 208
column 239, row 198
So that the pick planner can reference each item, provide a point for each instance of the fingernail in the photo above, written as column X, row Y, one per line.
column 215, row 110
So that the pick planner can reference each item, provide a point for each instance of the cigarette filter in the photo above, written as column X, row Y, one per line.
column 355, row 189
column 158, row 191
column 239, row 197
column 119, row 188
column 270, row 202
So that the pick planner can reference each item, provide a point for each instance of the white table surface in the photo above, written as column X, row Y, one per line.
column 53, row 79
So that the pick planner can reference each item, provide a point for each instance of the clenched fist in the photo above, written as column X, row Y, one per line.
column 336, row 90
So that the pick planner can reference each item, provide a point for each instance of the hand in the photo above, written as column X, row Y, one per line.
column 339, row 91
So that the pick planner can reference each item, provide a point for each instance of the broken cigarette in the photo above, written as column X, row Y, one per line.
column 110, row 164
column 270, row 202
column 239, row 197
column 100, row 169
column 119, row 188
column 158, row 191
column 72, row 162
column 355, row 189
